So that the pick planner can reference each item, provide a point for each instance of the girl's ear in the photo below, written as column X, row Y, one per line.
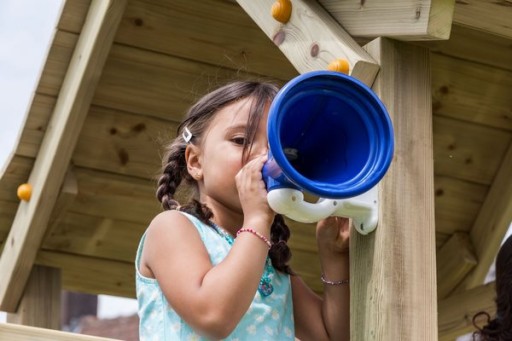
column 193, row 160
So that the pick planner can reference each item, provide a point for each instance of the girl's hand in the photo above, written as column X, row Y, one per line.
column 333, row 233
column 252, row 191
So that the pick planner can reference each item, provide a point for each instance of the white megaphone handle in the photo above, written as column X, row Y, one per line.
column 363, row 209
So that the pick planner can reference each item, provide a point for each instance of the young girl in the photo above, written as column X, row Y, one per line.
column 216, row 267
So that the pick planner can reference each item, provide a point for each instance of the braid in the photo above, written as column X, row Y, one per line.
column 173, row 171
column 280, row 253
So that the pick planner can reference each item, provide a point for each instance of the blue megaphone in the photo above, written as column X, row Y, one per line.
column 331, row 136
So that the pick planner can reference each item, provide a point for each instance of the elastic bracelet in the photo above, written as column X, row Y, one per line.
column 326, row 281
column 257, row 234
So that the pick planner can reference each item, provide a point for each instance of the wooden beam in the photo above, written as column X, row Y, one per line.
column 91, row 275
column 456, row 312
column 40, row 305
column 312, row 38
column 67, row 195
column 393, row 270
column 454, row 260
column 492, row 222
column 52, row 161
column 404, row 19
column 491, row 17
column 13, row 332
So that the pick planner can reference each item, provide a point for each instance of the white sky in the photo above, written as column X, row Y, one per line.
column 26, row 28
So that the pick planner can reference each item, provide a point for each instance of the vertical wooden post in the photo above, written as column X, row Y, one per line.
column 40, row 304
column 393, row 270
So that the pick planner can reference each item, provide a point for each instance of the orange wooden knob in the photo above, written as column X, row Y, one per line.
column 282, row 10
column 24, row 192
column 339, row 65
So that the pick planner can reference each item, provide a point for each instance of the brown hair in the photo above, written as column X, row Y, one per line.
column 197, row 120
column 500, row 328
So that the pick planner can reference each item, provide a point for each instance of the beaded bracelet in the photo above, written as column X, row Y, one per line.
column 326, row 281
column 257, row 234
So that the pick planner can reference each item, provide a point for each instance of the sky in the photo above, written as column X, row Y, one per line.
column 26, row 29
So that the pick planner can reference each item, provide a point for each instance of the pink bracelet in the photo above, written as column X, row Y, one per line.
column 257, row 234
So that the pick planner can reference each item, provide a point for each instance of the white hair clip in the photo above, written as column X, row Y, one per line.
column 187, row 135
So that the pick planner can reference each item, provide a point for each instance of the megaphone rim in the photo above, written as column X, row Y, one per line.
column 358, row 184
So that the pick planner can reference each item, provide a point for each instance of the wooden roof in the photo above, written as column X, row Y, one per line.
column 164, row 55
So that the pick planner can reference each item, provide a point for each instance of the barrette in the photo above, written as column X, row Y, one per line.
column 187, row 135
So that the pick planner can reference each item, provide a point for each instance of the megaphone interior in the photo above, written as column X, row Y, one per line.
column 331, row 136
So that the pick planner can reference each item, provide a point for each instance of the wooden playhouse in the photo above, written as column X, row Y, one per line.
column 120, row 74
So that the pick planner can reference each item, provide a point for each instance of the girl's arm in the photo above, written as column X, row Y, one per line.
column 326, row 318
column 211, row 299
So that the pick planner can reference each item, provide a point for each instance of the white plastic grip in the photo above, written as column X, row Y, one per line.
column 363, row 209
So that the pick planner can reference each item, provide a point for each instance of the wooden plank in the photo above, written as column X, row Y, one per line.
column 454, row 260
column 457, row 203
column 195, row 34
column 468, row 151
column 492, row 222
column 7, row 213
column 125, row 143
column 95, row 236
column 57, row 62
column 91, row 275
column 66, row 197
column 214, row 32
column 35, row 125
column 491, row 17
column 393, row 270
column 73, row 15
column 165, row 85
column 14, row 332
column 114, row 196
column 471, row 92
column 158, row 85
column 404, row 19
column 15, row 173
column 47, row 175
column 456, row 312
column 312, row 38
column 474, row 46
column 40, row 305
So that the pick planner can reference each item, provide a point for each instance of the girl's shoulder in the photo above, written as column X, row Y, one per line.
column 172, row 222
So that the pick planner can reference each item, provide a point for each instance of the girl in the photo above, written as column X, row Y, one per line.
column 216, row 267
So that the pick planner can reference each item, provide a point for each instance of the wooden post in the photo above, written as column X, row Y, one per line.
column 40, row 304
column 393, row 270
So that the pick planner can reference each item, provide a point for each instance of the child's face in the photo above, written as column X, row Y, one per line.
column 221, row 154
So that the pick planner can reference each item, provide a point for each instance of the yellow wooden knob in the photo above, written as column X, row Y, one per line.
column 282, row 10
column 339, row 65
column 24, row 192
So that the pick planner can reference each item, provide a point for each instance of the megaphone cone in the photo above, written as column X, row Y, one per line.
column 329, row 135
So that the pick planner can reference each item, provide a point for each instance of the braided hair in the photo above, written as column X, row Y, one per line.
column 197, row 120
column 499, row 328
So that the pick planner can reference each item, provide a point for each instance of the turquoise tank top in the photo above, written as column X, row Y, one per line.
column 268, row 317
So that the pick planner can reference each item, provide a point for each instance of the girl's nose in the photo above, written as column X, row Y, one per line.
column 258, row 149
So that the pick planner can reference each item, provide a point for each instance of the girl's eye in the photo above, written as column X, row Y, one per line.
column 239, row 140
